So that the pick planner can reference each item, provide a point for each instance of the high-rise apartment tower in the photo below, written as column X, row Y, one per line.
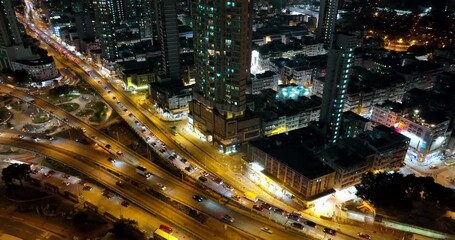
column 326, row 22
column 166, row 13
column 222, row 60
column 339, row 63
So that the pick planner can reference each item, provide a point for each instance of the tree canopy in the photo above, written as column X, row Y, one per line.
column 393, row 190
column 127, row 229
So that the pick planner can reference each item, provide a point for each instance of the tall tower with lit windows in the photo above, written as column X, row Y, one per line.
column 340, row 59
column 328, row 11
column 222, row 59
column 168, row 32
column 105, row 22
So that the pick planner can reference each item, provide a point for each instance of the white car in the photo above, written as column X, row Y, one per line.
column 161, row 186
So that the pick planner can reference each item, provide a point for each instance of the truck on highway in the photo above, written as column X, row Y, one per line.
column 143, row 171
column 251, row 196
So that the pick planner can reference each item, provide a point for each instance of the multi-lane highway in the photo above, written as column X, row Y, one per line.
column 85, row 159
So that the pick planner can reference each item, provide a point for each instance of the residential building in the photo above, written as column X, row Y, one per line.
column 353, row 125
column 169, row 38
column 222, row 60
column 429, row 130
column 38, row 69
column 289, row 159
column 325, row 31
column 340, row 58
column 390, row 148
column 420, row 74
column 350, row 158
column 170, row 97
column 261, row 81
column 105, row 24
column 387, row 114
column 11, row 32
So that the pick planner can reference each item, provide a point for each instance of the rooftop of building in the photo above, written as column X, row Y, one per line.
column 383, row 138
column 171, row 87
column 392, row 106
column 354, row 116
column 417, row 67
column 144, row 67
column 293, row 150
column 427, row 117
column 36, row 62
column 347, row 153
column 266, row 74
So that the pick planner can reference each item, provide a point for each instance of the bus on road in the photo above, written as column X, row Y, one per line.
column 162, row 235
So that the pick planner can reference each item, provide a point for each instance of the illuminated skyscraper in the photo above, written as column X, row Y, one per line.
column 168, row 32
column 105, row 22
column 340, row 59
column 326, row 22
column 222, row 58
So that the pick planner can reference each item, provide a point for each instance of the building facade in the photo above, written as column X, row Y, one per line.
column 105, row 24
column 222, row 60
column 39, row 70
column 328, row 11
column 11, row 43
column 340, row 59
column 169, row 38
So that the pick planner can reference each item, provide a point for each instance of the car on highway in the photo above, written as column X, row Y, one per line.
column 330, row 231
column 171, row 158
column 66, row 183
column 297, row 225
column 310, row 223
column 87, row 188
column 280, row 211
column 228, row 187
column 50, row 138
column 120, row 184
column 162, row 150
column 294, row 217
column 183, row 160
column 218, row 180
column 66, row 176
column 189, row 169
column 266, row 206
column 257, row 208
column 125, row 203
column 108, row 146
column 111, row 160
column 266, row 229
column 161, row 186
column 202, row 179
column 228, row 218
column 364, row 235
column 204, row 173
column 50, row 173
column 120, row 153
column 198, row 198
column 166, row 229
column 20, row 136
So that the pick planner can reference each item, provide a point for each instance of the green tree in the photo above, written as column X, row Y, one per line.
column 127, row 229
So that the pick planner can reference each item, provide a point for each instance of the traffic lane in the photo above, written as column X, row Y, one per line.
column 216, row 210
column 138, row 197
column 24, row 229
